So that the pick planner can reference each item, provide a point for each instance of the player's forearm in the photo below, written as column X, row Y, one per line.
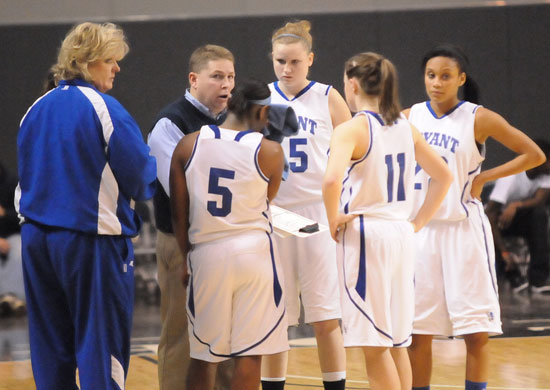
column 179, row 203
column 437, row 191
column 331, row 197
column 518, row 164
column 182, row 237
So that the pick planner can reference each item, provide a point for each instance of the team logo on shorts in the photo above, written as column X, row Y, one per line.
column 490, row 316
column 125, row 266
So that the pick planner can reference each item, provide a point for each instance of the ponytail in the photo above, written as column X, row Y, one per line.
column 390, row 108
column 377, row 77
column 471, row 90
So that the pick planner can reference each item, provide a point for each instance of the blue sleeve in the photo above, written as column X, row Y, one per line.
column 129, row 157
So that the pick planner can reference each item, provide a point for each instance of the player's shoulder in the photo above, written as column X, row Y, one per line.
column 465, row 110
column 188, row 140
column 402, row 122
column 185, row 147
column 483, row 114
column 320, row 88
column 270, row 147
column 357, row 124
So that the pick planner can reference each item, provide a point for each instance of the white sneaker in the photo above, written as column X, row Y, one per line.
column 540, row 289
column 520, row 288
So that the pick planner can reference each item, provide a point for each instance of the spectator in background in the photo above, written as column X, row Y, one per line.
column 518, row 207
column 12, row 291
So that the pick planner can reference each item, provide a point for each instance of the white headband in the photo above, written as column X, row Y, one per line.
column 263, row 102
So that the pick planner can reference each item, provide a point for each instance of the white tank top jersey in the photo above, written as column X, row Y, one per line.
column 452, row 136
column 227, row 190
column 306, row 151
column 380, row 184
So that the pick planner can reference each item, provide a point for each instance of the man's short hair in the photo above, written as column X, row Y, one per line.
column 203, row 54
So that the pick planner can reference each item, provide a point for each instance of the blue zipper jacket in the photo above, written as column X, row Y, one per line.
column 82, row 162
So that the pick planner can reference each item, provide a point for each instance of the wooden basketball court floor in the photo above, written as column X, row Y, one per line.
column 521, row 361
column 516, row 363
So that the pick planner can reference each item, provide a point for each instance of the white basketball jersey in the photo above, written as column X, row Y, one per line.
column 452, row 136
column 306, row 151
column 227, row 190
column 380, row 184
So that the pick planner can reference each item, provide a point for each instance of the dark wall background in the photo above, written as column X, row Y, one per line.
column 509, row 50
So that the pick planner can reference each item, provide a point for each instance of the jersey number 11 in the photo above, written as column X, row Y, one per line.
column 400, row 187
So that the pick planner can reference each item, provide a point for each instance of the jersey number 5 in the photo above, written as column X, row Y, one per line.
column 215, row 188
column 301, row 166
column 400, row 187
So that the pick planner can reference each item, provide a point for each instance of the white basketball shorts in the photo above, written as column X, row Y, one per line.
column 455, row 281
column 235, row 299
column 376, row 264
column 310, row 272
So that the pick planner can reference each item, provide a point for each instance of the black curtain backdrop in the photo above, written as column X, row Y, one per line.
column 508, row 47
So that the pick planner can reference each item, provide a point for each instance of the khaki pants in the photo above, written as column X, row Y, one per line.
column 173, row 350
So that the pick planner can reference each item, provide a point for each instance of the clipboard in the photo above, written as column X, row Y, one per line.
column 286, row 223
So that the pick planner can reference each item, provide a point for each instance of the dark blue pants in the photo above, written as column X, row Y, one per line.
column 80, row 294
column 532, row 224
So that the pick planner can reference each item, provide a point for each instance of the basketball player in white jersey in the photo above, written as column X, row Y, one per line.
column 309, row 263
column 456, row 290
column 370, row 175
column 221, row 182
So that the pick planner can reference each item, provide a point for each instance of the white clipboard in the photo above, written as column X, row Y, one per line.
column 286, row 223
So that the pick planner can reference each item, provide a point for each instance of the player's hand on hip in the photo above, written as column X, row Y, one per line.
column 477, row 187
column 338, row 224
